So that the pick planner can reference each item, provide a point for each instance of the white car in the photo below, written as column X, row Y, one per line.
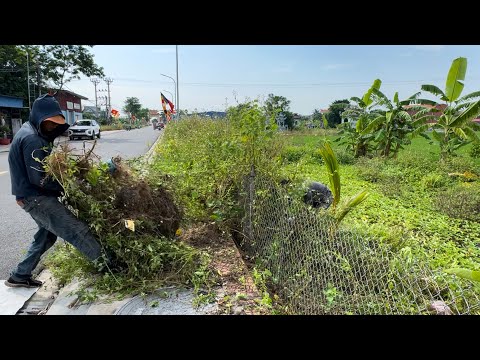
column 84, row 127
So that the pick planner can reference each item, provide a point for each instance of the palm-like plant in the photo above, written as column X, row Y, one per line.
column 455, row 126
column 357, row 141
column 391, row 127
column 333, row 170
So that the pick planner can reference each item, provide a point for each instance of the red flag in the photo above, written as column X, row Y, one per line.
column 115, row 113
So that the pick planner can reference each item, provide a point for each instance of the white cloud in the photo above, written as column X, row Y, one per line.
column 429, row 47
column 335, row 66
column 163, row 50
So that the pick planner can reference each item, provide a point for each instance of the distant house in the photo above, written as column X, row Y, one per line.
column 153, row 113
column 10, row 108
column 71, row 105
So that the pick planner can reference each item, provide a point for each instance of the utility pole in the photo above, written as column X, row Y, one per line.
column 28, row 83
column 178, row 95
column 109, row 81
column 95, row 82
column 106, row 105
column 38, row 80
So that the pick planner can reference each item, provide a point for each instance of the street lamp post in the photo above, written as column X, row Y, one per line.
column 175, row 84
column 177, row 94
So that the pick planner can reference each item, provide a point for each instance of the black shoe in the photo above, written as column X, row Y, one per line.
column 28, row 283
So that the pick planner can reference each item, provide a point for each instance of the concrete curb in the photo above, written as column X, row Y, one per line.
column 149, row 154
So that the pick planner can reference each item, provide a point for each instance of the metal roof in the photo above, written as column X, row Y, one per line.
column 11, row 101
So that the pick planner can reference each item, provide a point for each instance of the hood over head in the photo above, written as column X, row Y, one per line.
column 44, row 107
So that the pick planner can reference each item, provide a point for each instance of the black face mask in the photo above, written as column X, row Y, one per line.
column 52, row 135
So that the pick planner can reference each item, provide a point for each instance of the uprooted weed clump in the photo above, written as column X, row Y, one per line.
column 147, row 254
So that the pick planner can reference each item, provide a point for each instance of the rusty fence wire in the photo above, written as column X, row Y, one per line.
column 318, row 268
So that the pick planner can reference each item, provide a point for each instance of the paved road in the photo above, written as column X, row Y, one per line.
column 17, row 227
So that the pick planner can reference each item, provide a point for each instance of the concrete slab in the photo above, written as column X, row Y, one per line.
column 166, row 301
column 43, row 298
column 13, row 299
column 65, row 302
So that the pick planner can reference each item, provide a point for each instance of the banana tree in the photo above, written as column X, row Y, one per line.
column 361, row 112
column 391, row 128
column 454, row 127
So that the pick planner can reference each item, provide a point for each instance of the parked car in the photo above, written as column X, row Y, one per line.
column 84, row 128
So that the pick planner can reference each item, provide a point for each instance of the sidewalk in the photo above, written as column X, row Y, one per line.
column 5, row 148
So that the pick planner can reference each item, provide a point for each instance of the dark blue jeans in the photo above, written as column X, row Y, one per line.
column 53, row 220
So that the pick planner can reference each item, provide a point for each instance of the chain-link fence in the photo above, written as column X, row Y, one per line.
column 319, row 268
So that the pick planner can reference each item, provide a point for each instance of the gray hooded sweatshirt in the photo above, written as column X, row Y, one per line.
column 30, row 146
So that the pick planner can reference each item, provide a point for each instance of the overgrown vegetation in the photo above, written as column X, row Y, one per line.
column 418, row 208
column 207, row 160
column 146, row 253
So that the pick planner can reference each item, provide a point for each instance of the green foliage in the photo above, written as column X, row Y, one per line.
column 331, row 295
column 275, row 105
column 152, row 262
column 63, row 63
column 356, row 137
column 454, row 128
column 115, row 126
column 293, row 153
column 56, row 63
column 132, row 106
column 433, row 181
column 465, row 273
column 475, row 151
column 208, row 159
column 344, row 157
column 336, row 108
column 143, row 114
column 401, row 208
column 391, row 128
column 146, row 256
column 4, row 130
column 333, row 171
column 461, row 201
column 370, row 169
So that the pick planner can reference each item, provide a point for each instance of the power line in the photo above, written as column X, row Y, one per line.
column 359, row 83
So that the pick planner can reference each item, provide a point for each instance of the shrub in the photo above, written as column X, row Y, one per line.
column 457, row 164
column 345, row 157
column 293, row 153
column 433, row 181
column 462, row 202
column 370, row 169
column 475, row 151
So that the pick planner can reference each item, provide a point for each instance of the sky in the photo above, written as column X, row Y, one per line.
column 212, row 77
